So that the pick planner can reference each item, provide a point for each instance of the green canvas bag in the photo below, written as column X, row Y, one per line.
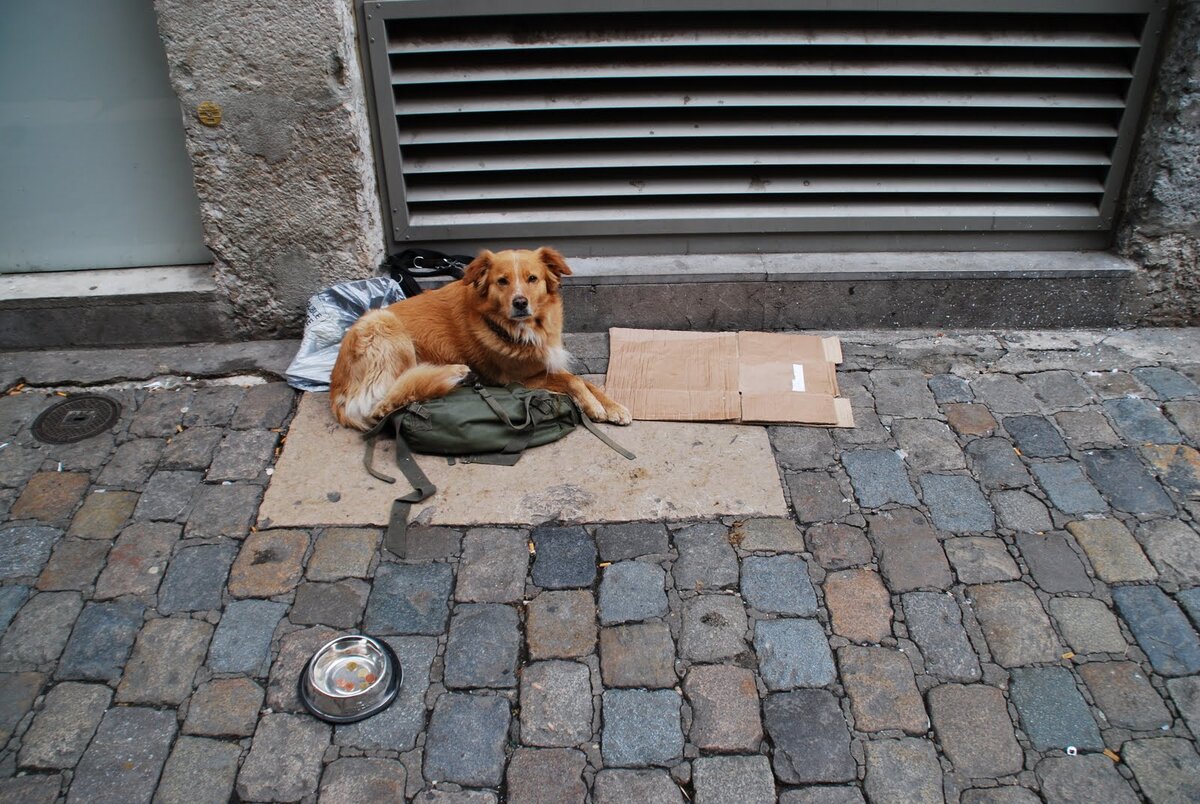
column 473, row 424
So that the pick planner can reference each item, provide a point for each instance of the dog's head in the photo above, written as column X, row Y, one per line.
column 517, row 284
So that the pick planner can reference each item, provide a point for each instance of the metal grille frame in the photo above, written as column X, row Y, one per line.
column 668, row 126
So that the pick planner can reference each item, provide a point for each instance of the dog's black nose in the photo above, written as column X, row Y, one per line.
column 520, row 303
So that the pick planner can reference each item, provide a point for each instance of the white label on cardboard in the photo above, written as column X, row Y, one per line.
column 798, row 378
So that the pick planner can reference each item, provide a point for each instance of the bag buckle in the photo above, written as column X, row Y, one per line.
column 416, row 417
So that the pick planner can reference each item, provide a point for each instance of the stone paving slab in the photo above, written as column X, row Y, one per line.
column 810, row 736
column 319, row 479
column 903, row 770
column 972, row 725
column 124, row 760
column 1052, row 710
column 993, row 568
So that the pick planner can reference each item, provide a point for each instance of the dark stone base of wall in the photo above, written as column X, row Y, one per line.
column 877, row 303
column 124, row 307
column 144, row 323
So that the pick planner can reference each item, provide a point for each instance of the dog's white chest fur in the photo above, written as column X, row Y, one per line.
column 558, row 359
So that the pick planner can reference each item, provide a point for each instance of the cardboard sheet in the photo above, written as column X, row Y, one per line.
column 762, row 377
column 695, row 376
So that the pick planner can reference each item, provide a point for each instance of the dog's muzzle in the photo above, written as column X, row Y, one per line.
column 520, row 308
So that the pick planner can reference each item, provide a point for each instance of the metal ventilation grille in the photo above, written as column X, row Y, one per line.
column 693, row 124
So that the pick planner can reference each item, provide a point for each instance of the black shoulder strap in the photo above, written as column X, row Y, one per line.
column 419, row 263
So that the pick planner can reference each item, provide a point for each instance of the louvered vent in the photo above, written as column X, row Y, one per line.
column 690, row 124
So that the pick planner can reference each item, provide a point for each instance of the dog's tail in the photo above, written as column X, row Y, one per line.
column 374, row 353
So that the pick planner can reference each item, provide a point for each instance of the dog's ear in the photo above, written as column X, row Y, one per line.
column 555, row 264
column 553, row 261
column 476, row 272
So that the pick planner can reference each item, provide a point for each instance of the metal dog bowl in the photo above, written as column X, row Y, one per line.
column 350, row 678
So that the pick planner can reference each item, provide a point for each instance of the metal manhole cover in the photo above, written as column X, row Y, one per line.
column 76, row 418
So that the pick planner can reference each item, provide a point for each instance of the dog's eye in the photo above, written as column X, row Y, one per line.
column 532, row 280
column 502, row 281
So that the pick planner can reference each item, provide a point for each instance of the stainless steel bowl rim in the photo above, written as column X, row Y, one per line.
column 333, row 646
column 312, row 698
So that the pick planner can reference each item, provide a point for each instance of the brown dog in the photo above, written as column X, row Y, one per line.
column 502, row 320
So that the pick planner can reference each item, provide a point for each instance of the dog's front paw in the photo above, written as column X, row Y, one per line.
column 617, row 414
column 379, row 412
column 592, row 409
column 458, row 372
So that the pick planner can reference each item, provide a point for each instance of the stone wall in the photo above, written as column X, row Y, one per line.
column 1160, row 228
column 286, row 181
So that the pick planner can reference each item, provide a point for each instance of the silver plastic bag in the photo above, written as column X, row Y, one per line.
column 330, row 314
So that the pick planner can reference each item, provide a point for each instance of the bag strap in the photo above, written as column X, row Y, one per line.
column 529, row 422
column 396, row 539
column 594, row 430
column 518, row 444
column 493, row 458
column 419, row 263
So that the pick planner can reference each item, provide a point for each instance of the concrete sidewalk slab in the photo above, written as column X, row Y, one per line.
column 683, row 471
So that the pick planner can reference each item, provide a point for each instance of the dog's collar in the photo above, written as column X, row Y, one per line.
column 500, row 331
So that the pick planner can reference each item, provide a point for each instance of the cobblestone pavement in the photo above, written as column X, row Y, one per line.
column 988, row 592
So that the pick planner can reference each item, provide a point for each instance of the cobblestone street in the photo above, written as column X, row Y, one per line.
column 987, row 593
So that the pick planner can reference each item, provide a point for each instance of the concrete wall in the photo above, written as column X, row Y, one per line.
column 1160, row 228
column 286, row 182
